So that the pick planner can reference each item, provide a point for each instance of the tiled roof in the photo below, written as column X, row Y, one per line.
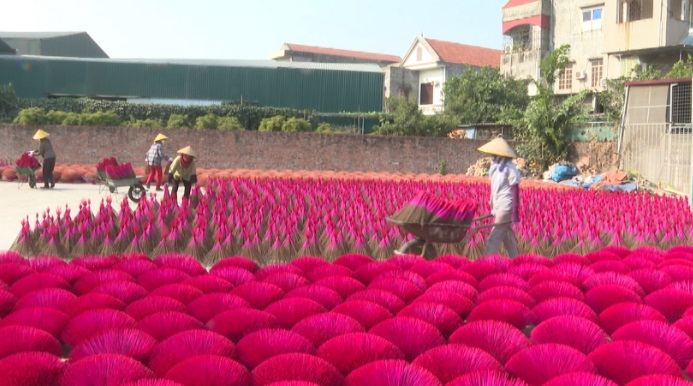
column 515, row 3
column 346, row 53
column 450, row 52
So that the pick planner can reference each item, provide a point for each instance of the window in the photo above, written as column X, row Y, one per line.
column 521, row 38
column 565, row 79
column 597, row 72
column 634, row 10
column 592, row 19
column 426, row 97
column 680, row 103
column 677, row 10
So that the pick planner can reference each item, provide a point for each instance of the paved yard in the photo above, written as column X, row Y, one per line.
column 21, row 201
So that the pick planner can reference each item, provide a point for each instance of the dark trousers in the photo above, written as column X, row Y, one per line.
column 174, row 188
column 48, row 166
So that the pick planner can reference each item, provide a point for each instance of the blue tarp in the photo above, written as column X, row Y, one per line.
column 564, row 172
column 625, row 187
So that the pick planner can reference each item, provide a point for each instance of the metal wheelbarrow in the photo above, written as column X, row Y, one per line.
column 429, row 233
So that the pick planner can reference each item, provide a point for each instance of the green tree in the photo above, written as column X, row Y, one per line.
column 484, row 95
column 403, row 117
column 177, row 121
column 154, row 123
column 208, row 121
column 55, row 117
column 31, row 116
column 99, row 118
column 681, row 69
column 274, row 123
column 548, row 116
column 325, row 128
column 71, row 119
column 295, row 125
column 229, row 123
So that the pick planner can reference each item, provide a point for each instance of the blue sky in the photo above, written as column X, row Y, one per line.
column 254, row 29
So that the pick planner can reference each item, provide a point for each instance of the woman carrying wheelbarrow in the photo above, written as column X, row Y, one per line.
column 183, row 170
column 46, row 152
column 155, row 156
column 505, row 196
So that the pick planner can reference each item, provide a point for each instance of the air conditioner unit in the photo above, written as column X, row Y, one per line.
column 580, row 75
column 508, row 48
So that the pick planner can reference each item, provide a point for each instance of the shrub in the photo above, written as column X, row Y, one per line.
column 208, row 121
column 149, row 122
column 71, row 119
column 54, row 117
column 177, row 121
column 294, row 125
column 325, row 128
column 31, row 116
column 99, row 118
column 272, row 124
column 229, row 123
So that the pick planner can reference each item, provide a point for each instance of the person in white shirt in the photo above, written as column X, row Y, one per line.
column 505, row 197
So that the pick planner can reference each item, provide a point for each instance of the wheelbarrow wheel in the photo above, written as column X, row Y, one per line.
column 418, row 247
column 32, row 181
column 111, row 188
column 136, row 192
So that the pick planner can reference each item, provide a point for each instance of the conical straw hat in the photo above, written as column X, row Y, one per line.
column 187, row 151
column 498, row 147
column 160, row 137
column 40, row 134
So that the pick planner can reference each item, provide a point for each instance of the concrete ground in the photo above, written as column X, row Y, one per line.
column 19, row 201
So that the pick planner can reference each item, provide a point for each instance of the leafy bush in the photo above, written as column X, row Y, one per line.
column 150, row 122
column 229, row 123
column 294, row 125
column 272, row 124
column 249, row 116
column 71, row 119
column 177, row 121
column 325, row 128
column 54, row 117
column 99, row 118
column 208, row 121
column 31, row 116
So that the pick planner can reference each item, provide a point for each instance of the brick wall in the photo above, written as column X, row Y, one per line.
column 251, row 149
column 278, row 151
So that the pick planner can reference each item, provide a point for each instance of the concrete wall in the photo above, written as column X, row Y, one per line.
column 252, row 149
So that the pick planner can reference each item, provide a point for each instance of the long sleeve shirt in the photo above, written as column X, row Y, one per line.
column 181, row 173
column 45, row 149
column 155, row 154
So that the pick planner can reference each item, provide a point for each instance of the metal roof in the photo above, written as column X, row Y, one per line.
column 317, row 86
column 65, row 44
column 362, row 67
column 37, row 35
column 5, row 48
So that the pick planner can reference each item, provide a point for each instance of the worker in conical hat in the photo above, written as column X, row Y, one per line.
column 183, row 169
column 45, row 150
column 154, row 159
column 505, row 196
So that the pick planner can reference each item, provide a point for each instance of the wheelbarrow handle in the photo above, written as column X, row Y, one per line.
column 475, row 229
column 484, row 217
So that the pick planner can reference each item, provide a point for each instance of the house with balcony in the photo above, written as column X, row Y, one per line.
column 607, row 38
